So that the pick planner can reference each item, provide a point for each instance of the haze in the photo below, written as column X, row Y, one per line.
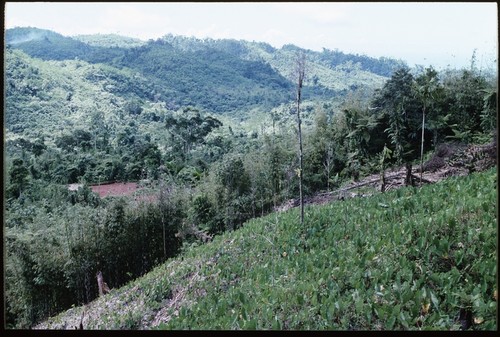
column 438, row 34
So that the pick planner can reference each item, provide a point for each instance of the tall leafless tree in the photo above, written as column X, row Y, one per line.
column 300, row 73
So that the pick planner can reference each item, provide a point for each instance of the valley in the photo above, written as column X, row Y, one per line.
column 172, row 167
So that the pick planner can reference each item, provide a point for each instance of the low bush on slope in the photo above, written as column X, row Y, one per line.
column 407, row 259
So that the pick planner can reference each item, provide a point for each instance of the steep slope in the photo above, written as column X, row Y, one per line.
column 210, row 78
column 329, row 72
column 335, row 78
column 49, row 45
column 409, row 259
column 62, row 95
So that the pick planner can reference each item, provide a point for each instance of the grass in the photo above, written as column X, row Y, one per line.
column 410, row 259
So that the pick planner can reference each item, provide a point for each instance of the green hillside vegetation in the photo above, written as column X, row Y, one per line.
column 211, row 79
column 217, row 75
column 410, row 259
column 49, row 45
column 208, row 131
column 260, row 50
column 329, row 77
column 90, row 112
column 109, row 40
column 63, row 95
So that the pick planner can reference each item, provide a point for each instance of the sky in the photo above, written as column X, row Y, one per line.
column 425, row 33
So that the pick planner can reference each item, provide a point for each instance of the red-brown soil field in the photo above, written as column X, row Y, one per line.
column 114, row 189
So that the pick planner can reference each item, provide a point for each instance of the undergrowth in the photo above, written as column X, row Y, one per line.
column 410, row 259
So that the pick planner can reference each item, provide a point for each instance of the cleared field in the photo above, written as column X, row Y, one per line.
column 115, row 189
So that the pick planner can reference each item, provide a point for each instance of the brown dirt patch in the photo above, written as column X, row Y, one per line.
column 449, row 160
column 115, row 189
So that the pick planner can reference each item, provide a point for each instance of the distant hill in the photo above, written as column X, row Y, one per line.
column 221, row 76
column 109, row 40
column 50, row 96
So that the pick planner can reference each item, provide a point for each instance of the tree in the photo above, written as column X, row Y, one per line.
column 426, row 88
column 465, row 98
column 396, row 99
column 203, row 215
column 360, row 124
column 190, row 128
column 97, row 124
column 234, row 191
column 300, row 69
column 385, row 154
column 162, row 204
column 489, row 112
column 321, row 154
column 19, row 177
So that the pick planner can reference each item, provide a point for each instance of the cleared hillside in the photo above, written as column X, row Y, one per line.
column 64, row 95
column 409, row 259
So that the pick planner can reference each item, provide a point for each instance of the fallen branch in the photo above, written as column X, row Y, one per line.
column 193, row 230
column 369, row 182
column 202, row 235
column 423, row 179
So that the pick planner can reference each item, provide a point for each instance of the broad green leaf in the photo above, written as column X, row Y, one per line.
column 434, row 300
column 390, row 322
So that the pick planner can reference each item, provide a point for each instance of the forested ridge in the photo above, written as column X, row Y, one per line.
column 216, row 75
column 207, row 129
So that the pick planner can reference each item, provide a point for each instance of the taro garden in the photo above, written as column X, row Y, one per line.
column 167, row 166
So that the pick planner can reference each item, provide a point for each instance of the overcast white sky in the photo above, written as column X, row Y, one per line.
column 438, row 34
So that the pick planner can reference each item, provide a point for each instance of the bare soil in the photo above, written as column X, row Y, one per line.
column 449, row 160
column 115, row 189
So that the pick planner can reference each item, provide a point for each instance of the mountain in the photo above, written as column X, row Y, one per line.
column 221, row 76
column 59, row 94
column 48, row 45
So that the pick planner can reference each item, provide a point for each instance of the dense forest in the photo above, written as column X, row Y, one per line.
column 207, row 128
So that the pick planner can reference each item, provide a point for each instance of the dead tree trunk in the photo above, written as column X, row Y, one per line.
column 103, row 287
column 382, row 181
column 408, row 177
column 301, row 62
column 422, row 145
